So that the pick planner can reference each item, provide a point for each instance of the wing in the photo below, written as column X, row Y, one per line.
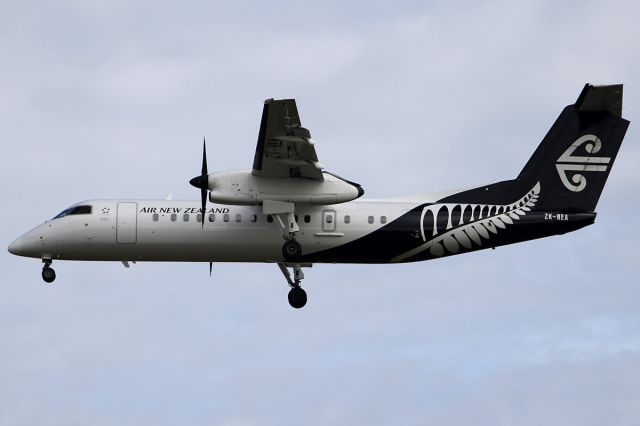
column 285, row 148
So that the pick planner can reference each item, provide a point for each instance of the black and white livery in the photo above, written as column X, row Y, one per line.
column 289, row 211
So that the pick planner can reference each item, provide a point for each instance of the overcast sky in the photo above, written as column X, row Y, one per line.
column 112, row 99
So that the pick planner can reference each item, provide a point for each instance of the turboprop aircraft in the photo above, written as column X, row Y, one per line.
column 289, row 211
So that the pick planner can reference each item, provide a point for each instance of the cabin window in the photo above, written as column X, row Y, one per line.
column 238, row 217
column 226, row 217
column 155, row 217
column 328, row 219
column 370, row 219
column 199, row 217
column 347, row 219
column 174, row 217
column 269, row 218
column 254, row 218
column 383, row 219
column 185, row 217
column 212, row 217
column 307, row 218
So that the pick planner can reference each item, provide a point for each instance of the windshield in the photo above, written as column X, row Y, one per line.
column 74, row 210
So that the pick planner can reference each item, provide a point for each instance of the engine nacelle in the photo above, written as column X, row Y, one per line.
column 243, row 188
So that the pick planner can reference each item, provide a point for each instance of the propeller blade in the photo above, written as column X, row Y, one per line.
column 210, row 268
column 203, row 196
column 204, row 158
column 202, row 181
column 204, row 175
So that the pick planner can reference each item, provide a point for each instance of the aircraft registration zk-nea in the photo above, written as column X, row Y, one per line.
column 287, row 210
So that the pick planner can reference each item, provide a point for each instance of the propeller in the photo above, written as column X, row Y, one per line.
column 202, row 181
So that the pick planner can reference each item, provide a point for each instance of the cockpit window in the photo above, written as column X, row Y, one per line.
column 74, row 210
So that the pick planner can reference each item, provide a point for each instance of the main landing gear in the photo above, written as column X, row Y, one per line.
column 48, row 274
column 283, row 215
column 291, row 249
column 297, row 296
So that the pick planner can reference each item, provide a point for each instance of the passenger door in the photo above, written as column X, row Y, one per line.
column 127, row 223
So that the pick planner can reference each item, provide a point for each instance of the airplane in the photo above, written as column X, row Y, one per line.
column 289, row 211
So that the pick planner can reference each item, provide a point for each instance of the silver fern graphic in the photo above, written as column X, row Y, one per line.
column 482, row 221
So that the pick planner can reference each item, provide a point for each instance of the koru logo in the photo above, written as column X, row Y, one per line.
column 568, row 163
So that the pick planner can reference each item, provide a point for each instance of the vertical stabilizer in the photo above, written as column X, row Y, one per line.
column 574, row 159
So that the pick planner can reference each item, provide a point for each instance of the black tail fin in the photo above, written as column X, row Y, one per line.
column 574, row 159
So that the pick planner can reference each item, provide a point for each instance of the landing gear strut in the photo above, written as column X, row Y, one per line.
column 48, row 274
column 297, row 296
column 283, row 215
column 291, row 249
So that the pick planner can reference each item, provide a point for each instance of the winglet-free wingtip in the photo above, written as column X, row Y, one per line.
column 601, row 98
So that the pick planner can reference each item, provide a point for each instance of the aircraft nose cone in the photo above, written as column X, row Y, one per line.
column 30, row 244
column 16, row 247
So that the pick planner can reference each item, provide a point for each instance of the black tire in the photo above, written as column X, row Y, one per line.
column 48, row 275
column 291, row 250
column 297, row 297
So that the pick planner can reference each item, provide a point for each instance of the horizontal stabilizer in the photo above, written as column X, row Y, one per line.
column 601, row 98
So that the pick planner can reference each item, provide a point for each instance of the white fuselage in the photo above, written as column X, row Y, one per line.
column 159, row 230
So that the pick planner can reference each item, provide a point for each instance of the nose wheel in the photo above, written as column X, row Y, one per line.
column 48, row 274
column 297, row 296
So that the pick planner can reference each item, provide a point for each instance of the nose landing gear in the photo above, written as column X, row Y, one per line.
column 48, row 274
